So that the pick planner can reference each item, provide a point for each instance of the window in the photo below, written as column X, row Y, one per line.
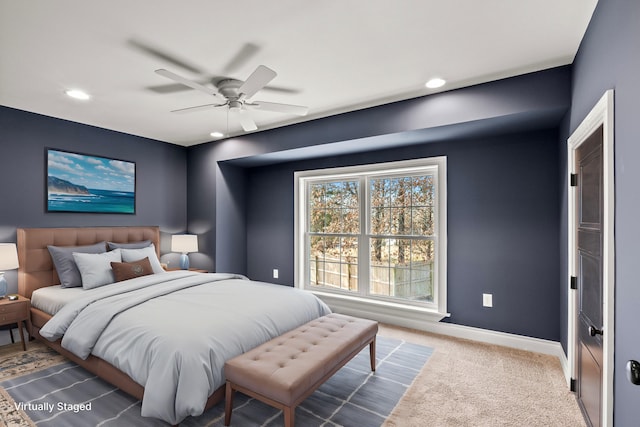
column 374, row 233
column 334, row 227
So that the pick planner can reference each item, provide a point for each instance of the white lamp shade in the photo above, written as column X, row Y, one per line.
column 8, row 256
column 184, row 243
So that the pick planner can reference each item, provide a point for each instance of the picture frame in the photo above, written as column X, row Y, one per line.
column 85, row 183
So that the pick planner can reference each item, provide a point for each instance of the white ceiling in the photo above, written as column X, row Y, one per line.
column 331, row 55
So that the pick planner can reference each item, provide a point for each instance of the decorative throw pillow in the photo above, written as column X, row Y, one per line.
column 129, row 270
column 95, row 269
column 132, row 245
column 130, row 255
column 62, row 257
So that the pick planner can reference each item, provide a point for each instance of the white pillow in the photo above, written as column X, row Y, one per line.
column 95, row 269
column 132, row 255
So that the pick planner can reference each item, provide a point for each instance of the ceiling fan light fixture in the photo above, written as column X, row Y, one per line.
column 78, row 94
column 235, row 106
column 435, row 83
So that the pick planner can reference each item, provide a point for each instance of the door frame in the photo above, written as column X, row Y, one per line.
column 600, row 115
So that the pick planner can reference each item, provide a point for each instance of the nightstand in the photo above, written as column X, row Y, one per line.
column 16, row 312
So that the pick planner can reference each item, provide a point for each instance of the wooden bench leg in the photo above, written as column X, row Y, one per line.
column 372, row 353
column 228, row 405
column 289, row 416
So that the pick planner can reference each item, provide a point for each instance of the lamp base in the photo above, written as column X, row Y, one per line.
column 184, row 261
column 3, row 286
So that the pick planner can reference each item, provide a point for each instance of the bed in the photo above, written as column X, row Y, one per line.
column 170, row 332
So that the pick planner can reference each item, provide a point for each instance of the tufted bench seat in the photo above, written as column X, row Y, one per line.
column 286, row 370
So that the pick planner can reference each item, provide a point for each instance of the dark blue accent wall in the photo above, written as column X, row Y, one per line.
column 160, row 174
column 503, row 226
column 528, row 102
column 563, row 179
column 230, row 222
column 609, row 58
column 501, row 139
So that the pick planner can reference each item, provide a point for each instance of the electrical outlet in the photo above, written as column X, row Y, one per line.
column 487, row 300
column 275, row 273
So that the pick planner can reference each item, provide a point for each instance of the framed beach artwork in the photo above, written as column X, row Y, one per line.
column 92, row 184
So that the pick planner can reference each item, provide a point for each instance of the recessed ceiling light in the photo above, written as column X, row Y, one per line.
column 217, row 134
column 435, row 83
column 77, row 94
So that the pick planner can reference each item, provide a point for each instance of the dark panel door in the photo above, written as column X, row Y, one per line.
column 590, row 279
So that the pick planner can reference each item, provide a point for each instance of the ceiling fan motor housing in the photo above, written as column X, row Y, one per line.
column 229, row 88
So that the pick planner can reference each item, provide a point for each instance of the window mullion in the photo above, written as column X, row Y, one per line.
column 363, row 240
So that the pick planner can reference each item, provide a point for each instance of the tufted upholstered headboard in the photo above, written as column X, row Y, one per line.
column 36, row 268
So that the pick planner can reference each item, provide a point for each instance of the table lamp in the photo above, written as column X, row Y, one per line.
column 184, row 243
column 8, row 261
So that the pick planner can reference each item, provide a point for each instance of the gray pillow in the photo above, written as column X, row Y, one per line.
column 62, row 257
column 95, row 269
column 131, row 255
column 133, row 245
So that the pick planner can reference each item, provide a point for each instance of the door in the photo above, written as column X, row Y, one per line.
column 589, row 262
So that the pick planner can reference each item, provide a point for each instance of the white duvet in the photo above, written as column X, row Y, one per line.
column 172, row 332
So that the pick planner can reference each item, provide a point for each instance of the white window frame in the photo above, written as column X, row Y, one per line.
column 389, row 310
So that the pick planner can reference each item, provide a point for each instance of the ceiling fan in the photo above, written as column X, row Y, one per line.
column 244, row 54
column 235, row 94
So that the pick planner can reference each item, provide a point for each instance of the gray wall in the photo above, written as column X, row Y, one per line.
column 503, row 226
column 160, row 175
column 502, row 143
column 230, row 222
column 531, row 101
column 609, row 57
column 563, row 237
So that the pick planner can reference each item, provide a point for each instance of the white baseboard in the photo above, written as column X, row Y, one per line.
column 423, row 323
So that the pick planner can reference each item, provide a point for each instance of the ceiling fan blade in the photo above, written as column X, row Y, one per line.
column 243, row 56
column 164, row 56
column 173, row 87
column 170, row 88
column 282, row 89
column 187, row 82
column 256, row 81
column 197, row 108
column 298, row 110
column 246, row 122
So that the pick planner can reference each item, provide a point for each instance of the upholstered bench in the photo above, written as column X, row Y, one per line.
column 286, row 370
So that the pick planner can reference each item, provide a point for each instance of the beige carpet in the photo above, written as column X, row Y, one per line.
column 465, row 383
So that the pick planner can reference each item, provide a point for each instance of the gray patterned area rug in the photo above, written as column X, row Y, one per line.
column 63, row 394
